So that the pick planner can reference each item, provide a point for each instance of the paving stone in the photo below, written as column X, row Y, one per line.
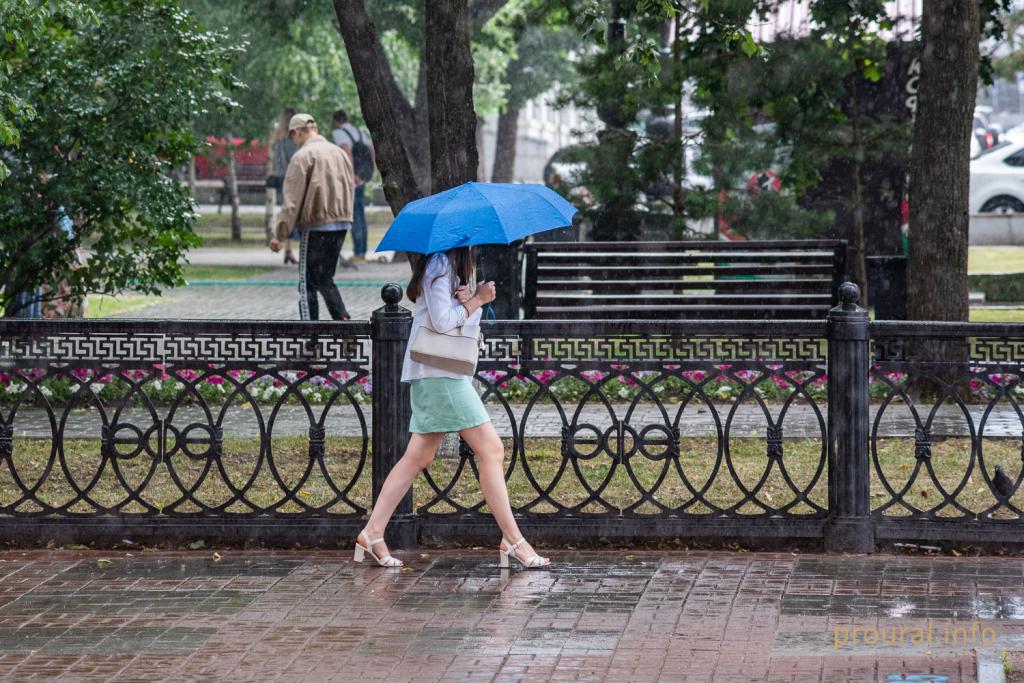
column 681, row 616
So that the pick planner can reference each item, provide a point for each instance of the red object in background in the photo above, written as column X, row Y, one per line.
column 724, row 233
column 213, row 164
column 758, row 182
column 764, row 180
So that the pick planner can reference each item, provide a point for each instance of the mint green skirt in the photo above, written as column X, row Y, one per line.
column 444, row 404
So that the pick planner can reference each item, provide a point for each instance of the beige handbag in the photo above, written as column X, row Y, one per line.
column 456, row 351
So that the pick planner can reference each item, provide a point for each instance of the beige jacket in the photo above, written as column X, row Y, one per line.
column 318, row 187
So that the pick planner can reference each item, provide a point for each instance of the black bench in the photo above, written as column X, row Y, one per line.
column 250, row 178
column 786, row 279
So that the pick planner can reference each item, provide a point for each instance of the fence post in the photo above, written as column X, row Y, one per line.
column 391, row 412
column 849, row 527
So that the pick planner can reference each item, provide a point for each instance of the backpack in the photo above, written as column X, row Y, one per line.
column 362, row 159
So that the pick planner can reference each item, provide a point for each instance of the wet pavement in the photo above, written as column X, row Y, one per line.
column 455, row 616
column 269, row 296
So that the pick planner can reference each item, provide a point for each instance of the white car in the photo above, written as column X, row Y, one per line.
column 997, row 180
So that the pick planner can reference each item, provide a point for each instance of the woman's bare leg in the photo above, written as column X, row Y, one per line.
column 418, row 455
column 490, row 459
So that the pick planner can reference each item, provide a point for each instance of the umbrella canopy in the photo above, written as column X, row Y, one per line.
column 476, row 213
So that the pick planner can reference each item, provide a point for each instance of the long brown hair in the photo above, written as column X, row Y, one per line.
column 461, row 260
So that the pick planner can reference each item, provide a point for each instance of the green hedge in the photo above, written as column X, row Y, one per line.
column 998, row 287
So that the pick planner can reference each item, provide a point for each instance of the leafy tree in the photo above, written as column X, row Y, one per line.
column 634, row 75
column 541, row 62
column 115, row 85
column 23, row 22
column 404, row 124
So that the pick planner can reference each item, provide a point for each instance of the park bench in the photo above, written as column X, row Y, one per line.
column 251, row 178
column 786, row 279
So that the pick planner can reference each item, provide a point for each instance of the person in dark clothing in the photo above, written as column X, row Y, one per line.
column 322, row 249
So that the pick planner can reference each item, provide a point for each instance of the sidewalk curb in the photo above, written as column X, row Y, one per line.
column 990, row 668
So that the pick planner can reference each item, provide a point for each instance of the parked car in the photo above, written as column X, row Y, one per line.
column 983, row 132
column 997, row 180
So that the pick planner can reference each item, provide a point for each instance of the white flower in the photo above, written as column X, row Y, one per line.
column 658, row 389
column 96, row 387
column 15, row 388
column 724, row 391
column 157, row 384
column 623, row 393
column 45, row 391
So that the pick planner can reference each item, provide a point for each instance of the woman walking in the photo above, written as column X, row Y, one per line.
column 445, row 402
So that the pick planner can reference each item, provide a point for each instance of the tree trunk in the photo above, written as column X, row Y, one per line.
column 679, row 170
column 857, row 248
column 505, row 145
column 236, row 218
column 387, row 113
column 939, row 161
column 453, row 152
column 192, row 177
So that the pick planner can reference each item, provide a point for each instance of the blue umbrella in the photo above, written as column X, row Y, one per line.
column 476, row 213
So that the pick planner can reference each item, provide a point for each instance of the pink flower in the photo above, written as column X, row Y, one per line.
column 214, row 379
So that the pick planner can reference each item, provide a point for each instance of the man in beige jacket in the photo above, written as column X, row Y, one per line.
column 318, row 191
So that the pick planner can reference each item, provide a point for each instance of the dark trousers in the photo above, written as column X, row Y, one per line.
column 318, row 257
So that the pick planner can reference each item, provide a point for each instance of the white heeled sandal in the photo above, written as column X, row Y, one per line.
column 386, row 561
column 534, row 562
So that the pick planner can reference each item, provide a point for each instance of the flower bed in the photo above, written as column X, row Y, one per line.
column 619, row 384
column 183, row 386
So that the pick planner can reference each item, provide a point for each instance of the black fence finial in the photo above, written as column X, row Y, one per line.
column 391, row 293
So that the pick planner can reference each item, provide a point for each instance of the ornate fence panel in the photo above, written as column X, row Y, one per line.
column 127, row 425
column 946, row 434
column 841, row 430
column 649, row 428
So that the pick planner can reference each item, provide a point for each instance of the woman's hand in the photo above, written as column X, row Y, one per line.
column 486, row 293
column 463, row 294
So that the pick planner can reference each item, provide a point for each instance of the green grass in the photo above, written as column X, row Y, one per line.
column 222, row 221
column 220, row 272
column 1002, row 259
column 997, row 315
column 344, row 457
column 215, row 229
column 114, row 306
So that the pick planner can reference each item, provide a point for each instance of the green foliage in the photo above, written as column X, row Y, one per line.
column 784, row 107
column 996, row 17
column 21, row 24
column 114, row 88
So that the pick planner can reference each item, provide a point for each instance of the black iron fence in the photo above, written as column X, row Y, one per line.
column 841, row 430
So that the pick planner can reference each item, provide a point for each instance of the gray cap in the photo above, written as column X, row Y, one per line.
column 300, row 121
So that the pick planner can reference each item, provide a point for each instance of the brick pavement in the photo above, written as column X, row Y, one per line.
column 269, row 301
column 454, row 616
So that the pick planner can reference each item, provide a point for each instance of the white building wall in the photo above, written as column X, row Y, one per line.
column 543, row 130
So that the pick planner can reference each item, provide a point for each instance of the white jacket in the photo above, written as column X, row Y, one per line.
column 445, row 311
